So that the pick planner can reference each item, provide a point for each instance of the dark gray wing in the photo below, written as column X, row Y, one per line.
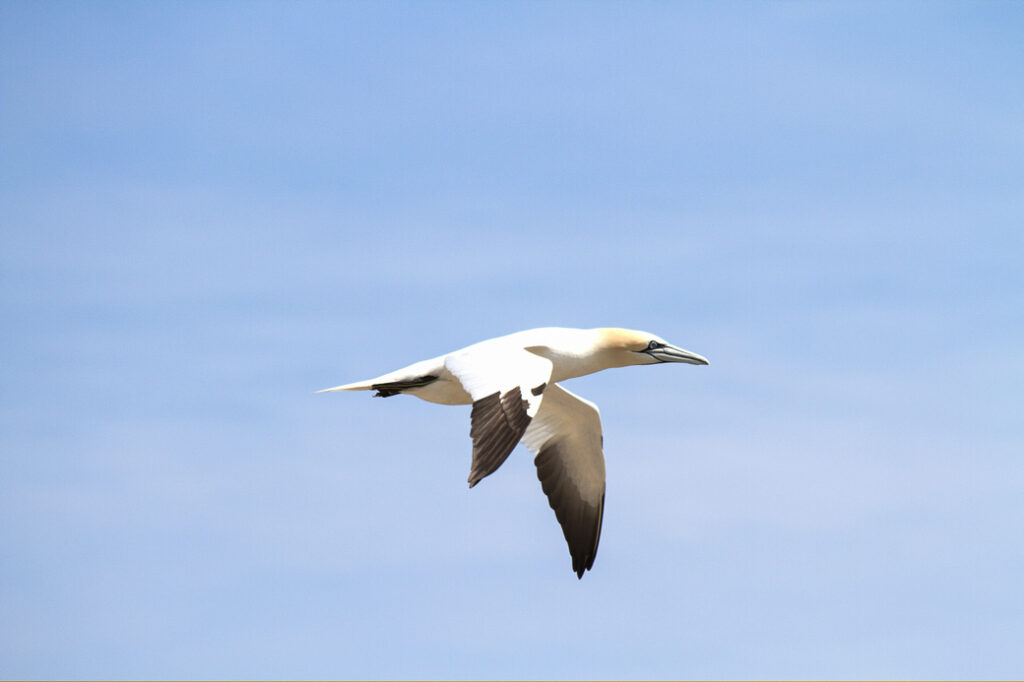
column 507, row 385
column 496, row 425
column 566, row 437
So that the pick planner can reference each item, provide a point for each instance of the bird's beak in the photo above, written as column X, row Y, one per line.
column 670, row 353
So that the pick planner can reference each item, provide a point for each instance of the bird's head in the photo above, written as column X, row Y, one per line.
column 624, row 347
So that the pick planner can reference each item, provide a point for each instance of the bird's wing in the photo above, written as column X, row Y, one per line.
column 566, row 437
column 507, row 385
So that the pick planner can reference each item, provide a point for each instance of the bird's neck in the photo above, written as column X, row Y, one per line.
column 576, row 353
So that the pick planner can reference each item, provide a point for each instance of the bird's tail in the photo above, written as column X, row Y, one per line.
column 392, row 383
column 356, row 386
column 384, row 387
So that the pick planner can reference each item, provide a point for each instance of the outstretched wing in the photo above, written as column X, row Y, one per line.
column 507, row 385
column 566, row 438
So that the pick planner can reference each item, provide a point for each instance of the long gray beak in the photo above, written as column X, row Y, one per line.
column 670, row 353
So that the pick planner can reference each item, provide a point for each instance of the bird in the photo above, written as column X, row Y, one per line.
column 512, row 383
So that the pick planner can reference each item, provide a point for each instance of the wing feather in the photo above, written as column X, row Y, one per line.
column 566, row 437
column 507, row 386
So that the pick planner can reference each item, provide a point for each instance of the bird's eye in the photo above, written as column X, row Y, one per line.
column 652, row 345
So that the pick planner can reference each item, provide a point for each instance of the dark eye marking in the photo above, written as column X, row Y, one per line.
column 655, row 344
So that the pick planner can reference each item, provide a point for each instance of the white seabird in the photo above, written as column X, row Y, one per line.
column 512, row 383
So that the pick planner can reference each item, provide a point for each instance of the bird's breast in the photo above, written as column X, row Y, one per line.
column 570, row 365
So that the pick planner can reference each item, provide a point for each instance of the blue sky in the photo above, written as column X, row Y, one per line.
column 210, row 210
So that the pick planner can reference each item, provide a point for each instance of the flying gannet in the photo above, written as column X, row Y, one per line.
column 512, row 384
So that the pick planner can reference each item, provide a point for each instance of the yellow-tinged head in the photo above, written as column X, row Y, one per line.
column 631, row 347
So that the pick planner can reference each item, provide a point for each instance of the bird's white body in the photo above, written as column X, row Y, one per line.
column 572, row 352
column 511, row 381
